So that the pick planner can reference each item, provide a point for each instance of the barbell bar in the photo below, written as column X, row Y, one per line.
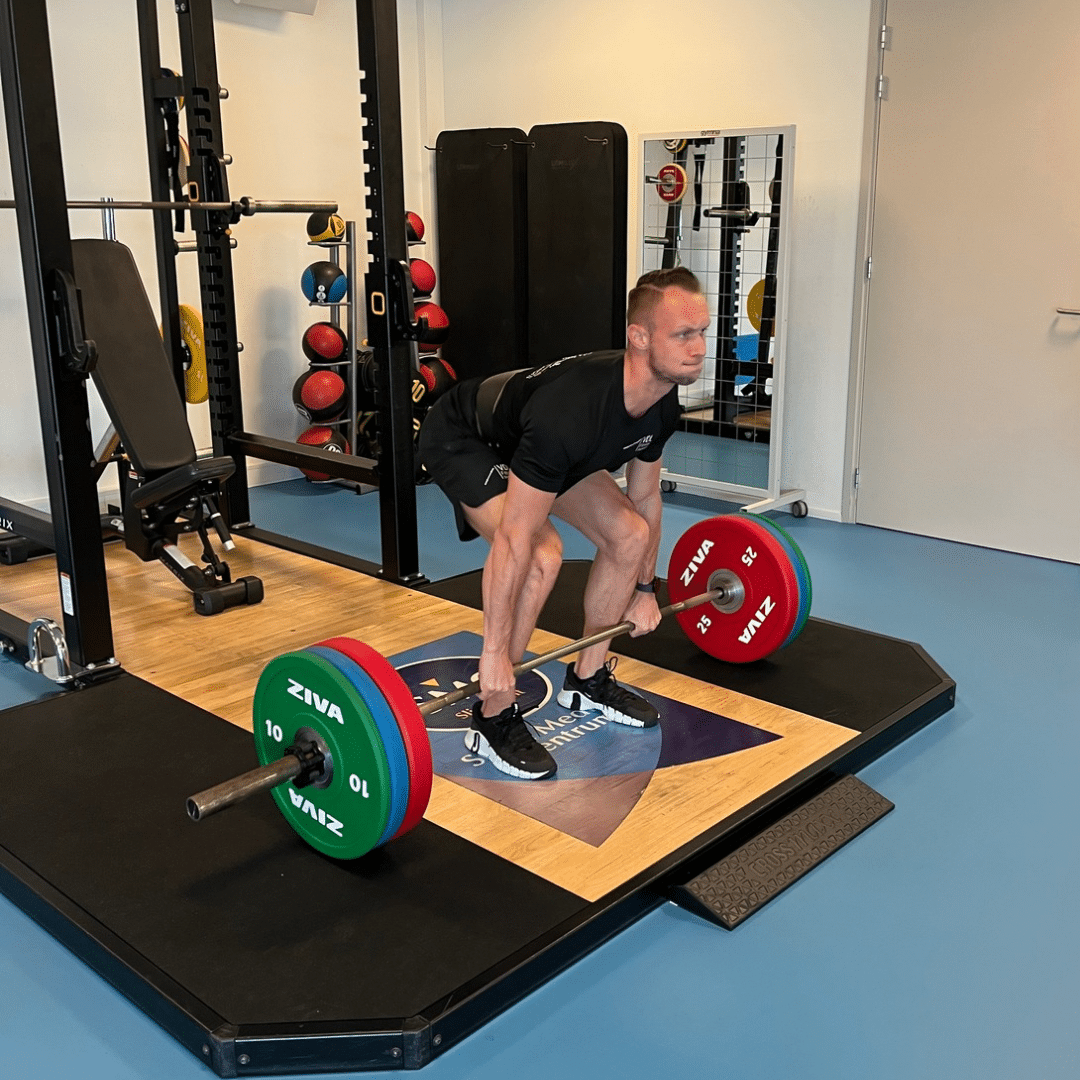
column 343, row 743
column 244, row 206
column 292, row 765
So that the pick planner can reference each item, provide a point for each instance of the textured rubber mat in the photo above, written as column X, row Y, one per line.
column 747, row 879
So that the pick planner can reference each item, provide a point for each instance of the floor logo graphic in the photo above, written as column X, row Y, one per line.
column 604, row 768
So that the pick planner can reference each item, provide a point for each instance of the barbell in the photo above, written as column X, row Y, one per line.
column 245, row 206
column 342, row 740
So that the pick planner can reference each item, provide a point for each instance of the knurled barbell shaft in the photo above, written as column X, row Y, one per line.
column 595, row 638
column 290, row 766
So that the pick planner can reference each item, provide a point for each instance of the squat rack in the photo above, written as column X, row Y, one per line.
column 60, row 352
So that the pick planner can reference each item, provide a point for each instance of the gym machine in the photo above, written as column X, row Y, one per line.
column 64, row 358
column 390, row 322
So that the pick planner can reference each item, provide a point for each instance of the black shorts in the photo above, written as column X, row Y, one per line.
column 469, row 471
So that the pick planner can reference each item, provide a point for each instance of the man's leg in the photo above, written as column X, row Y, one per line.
column 543, row 572
column 498, row 730
column 599, row 509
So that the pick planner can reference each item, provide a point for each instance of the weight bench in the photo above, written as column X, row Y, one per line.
column 168, row 489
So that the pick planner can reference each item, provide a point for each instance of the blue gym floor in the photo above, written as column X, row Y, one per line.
column 942, row 943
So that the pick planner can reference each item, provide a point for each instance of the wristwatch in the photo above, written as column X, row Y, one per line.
column 648, row 586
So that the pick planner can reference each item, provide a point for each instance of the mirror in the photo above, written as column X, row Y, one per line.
column 717, row 203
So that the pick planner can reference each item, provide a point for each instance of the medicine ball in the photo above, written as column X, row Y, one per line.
column 325, row 343
column 438, row 326
column 321, row 226
column 324, row 283
column 326, row 439
column 439, row 377
column 414, row 227
column 320, row 395
column 423, row 276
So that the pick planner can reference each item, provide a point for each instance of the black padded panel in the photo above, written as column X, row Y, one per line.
column 483, row 263
column 577, row 184
column 133, row 375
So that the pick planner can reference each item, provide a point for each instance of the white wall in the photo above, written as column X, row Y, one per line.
column 292, row 125
column 654, row 68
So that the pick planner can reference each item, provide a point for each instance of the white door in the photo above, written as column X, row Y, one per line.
column 970, row 420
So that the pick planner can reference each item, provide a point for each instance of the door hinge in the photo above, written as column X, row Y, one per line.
column 883, row 87
column 855, row 480
column 869, row 266
column 886, row 37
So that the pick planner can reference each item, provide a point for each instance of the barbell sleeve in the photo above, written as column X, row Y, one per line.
column 595, row 638
column 244, row 786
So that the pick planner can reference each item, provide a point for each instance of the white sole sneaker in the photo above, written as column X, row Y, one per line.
column 576, row 701
column 476, row 743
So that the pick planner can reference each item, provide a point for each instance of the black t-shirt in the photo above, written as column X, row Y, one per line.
column 560, row 422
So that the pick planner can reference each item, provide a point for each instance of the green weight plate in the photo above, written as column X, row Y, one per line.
column 346, row 818
column 801, row 572
column 801, row 564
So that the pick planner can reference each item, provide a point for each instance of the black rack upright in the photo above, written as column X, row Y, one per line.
column 62, row 359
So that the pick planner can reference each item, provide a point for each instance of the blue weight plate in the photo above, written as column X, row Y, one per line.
column 800, row 574
column 801, row 560
column 388, row 730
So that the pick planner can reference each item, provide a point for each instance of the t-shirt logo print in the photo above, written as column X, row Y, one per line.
column 640, row 445
column 502, row 471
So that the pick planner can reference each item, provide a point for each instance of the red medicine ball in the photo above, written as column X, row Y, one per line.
column 438, row 326
column 324, row 343
column 328, row 440
column 438, row 375
column 320, row 395
column 414, row 226
column 423, row 276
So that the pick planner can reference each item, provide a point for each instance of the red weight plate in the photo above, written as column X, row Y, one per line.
column 413, row 729
column 741, row 546
column 672, row 183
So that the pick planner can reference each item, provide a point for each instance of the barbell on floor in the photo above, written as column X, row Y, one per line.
column 342, row 741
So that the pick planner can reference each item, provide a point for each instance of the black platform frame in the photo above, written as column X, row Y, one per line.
column 427, row 933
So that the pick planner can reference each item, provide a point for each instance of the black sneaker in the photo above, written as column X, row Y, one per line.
column 601, row 691
column 506, row 741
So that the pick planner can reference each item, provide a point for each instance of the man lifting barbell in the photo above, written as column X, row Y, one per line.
column 516, row 448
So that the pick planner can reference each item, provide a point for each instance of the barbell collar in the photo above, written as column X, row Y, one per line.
column 715, row 595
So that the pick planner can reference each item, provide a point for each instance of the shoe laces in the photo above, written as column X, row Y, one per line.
column 608, row 685
column 515, row 728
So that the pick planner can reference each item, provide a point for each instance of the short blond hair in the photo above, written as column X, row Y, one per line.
column 649, row 290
